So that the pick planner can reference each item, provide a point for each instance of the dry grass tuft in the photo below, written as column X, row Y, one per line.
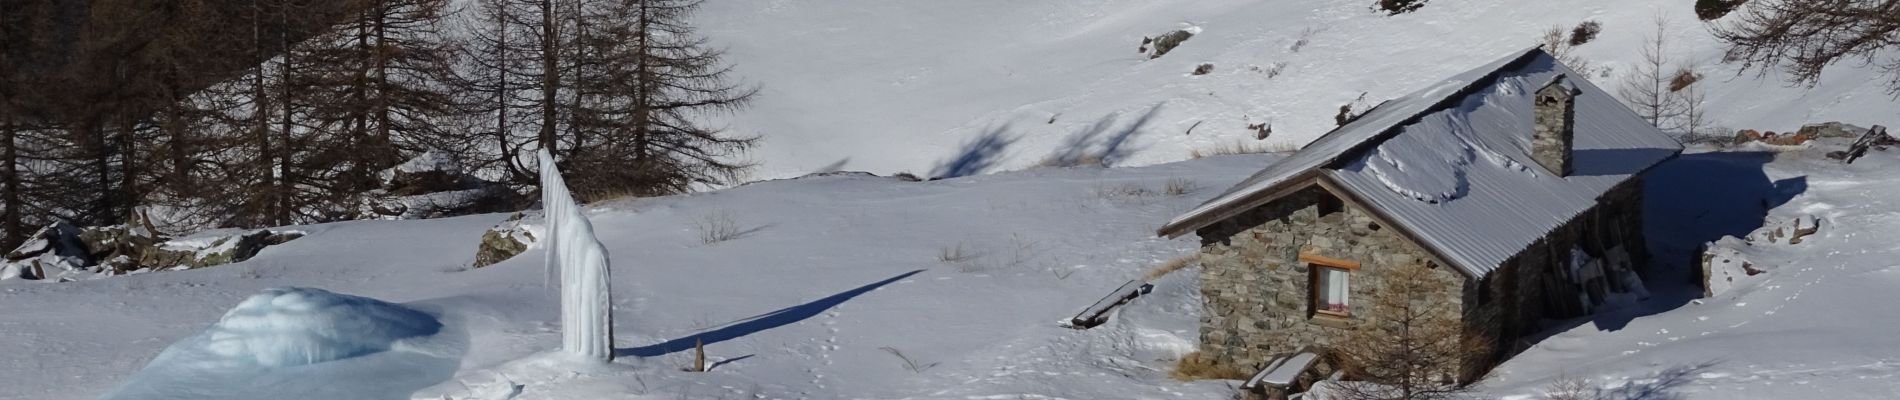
column 1241, row 147
column 1197, row 366
column 955, row 253
column 1180, row 187
column 1568, row 388
column 1169, row 267
column 1126, row 191
column 1062, row 161
column 717, row 226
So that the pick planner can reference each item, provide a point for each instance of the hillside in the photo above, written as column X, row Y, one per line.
column 852, row 285
column 832, row 270
column 885, row 87
column 966, row 279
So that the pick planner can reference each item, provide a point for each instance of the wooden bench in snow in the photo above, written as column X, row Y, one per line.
column 1098, row 313
column 1281, row 374
column 1874, row 136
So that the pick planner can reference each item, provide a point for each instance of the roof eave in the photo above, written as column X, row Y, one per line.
column 1181, row 227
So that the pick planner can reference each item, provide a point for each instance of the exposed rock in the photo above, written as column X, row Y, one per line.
column 64, row 251
column 1155, row 47
column 61, row 238
column 1785, row 231
column 1834, row 129
column 504, row 241
column 236, row 248
column 1804, row 226
column 1723, row 262
column 434, row 185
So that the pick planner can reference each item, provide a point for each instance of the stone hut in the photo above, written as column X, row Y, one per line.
column 1518, row 185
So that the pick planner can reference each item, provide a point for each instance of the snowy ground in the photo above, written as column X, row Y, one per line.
column 831, row 272
column 1817, row 324
column 837, row 274
column 961, row 87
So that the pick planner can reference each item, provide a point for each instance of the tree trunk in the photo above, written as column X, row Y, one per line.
column 10, row 167
column 550, row 75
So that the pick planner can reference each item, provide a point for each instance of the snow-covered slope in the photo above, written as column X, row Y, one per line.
column 1817, row 324
column 853, row 286
column 829, row 280
column 963, row 87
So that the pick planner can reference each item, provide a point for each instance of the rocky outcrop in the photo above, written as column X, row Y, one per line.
column 1726, row 260
column 434, row 185
column 62, row 251
column 506, row 240
column 54, row 248
column 1809, row 132
column 1834, row 129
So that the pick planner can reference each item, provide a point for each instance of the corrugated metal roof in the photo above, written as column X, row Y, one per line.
column 1459, row 176
column 1330, row 147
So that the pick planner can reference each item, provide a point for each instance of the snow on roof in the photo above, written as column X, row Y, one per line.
column 1328, row 148
column 1459, row 176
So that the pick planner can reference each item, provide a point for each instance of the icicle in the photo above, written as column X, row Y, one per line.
column 586, row 299
column 549, row 205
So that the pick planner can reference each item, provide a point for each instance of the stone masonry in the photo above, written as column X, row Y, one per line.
column 1551, row 136
column 1258, row 299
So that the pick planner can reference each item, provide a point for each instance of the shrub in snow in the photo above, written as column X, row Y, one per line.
column 1585, row 32
column 717, row 226
column 1562, row 43
column 1161, row 45
column 1714, row 9
column 1396, row 7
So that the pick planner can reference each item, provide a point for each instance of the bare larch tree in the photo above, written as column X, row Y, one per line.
column 1804, row 37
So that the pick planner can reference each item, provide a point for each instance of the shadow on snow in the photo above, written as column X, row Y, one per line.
column 1687, row 202
column 758, row 323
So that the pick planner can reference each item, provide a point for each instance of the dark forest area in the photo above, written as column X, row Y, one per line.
column 205, row 113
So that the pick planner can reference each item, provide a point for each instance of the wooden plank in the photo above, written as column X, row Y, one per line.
column 1872, row 137
column 1254, row 383
column 1340, row 263
column 1384, row 220
column 1097, row 313
column 1290, row 370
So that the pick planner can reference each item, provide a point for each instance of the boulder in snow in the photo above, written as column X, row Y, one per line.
column 1724, row 263
column 63, row 251
column 1157, row 46
column 52, row 250
column 1832, row 129
column 434, row 185
column 1785, row 231
column 505, row 240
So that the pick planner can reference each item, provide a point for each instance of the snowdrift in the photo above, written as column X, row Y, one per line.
column 291, row 343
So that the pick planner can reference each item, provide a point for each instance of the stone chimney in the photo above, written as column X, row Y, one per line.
column 1552, row 135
